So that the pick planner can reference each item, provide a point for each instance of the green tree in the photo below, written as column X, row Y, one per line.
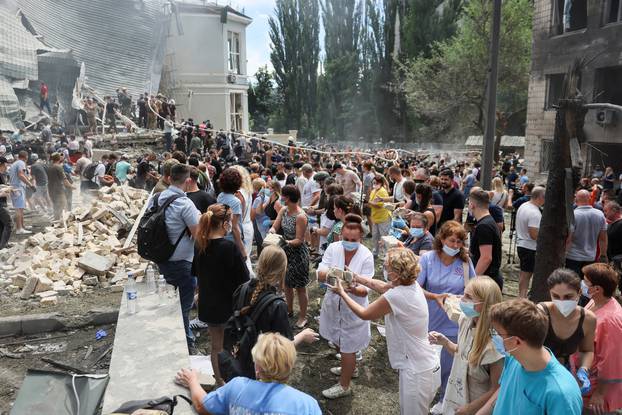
column 447, row 89
column 294, row 34
column 427, row 22
column 261, row 100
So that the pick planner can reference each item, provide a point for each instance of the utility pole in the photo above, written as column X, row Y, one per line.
column 491, row 101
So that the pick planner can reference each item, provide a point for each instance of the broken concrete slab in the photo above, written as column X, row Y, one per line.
column 44, row 284
column 29, row 287
column 94, row 263
column 49, row 301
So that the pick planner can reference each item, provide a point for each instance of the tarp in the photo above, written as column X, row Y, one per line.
column 47, row 392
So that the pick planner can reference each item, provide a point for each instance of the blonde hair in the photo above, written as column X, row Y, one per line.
column 271, row 268
column 405, row 264
column 486, row 290
column 497, row 185
column 246, row 178
column 275, row 355
column 258, row 184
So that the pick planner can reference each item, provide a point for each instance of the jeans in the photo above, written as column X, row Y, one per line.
column 179, row 275
column 45, row 104
column 5, row 227
column 168, row 141
column 378, row 230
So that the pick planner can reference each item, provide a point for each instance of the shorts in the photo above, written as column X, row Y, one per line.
column 527, row 259
column 18, row 199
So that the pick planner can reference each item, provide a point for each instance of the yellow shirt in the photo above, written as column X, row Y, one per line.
column 379, row 214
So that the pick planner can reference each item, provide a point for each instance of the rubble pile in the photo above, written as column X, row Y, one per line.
column 80, row 253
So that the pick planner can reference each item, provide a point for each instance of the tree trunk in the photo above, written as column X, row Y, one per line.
column 558, row 214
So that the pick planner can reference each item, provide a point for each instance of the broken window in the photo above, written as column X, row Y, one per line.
column 236, row 111
column 554, row 87
column 233, row 45
column 608, row 85
column 546, row 152
column 568, row 16
column 613, row 11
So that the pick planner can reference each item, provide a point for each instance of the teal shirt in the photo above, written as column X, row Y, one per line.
column 551, row 391
column 121, row 169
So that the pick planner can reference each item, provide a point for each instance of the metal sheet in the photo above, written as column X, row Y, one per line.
column 18, row 48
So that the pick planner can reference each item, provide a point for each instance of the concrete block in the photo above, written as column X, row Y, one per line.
column 29, row 287
column 19, row 280
column 10, row 325
column 94, row 263
column 116, row 288
column 44, row 284
column 45, row 294
column 41, row 323
column 90, row 280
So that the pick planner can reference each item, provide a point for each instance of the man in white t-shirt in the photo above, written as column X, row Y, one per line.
column 398, row 188
column 306, row 173
column 310, row 194
column 527, row 225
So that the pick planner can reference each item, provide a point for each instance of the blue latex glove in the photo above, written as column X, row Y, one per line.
column 583, row 377
column 398, row 223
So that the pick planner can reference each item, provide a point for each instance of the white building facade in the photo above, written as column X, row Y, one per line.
column 205, row 65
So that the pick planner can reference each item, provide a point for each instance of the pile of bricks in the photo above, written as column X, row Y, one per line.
column 80, row 253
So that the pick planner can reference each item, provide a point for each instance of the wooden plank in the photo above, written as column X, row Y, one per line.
column 130, row 236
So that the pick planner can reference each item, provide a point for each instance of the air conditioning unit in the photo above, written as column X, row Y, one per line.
column 231, row 78
column 605, row 117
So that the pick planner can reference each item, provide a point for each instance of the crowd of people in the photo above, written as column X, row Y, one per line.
column 434, row 232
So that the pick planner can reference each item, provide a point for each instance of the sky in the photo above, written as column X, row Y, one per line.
column 257, row 34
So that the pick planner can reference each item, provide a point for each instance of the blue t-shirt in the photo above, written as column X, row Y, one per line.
column 552, row 391
column 121, row 169
column 243, row 396
column 439, row 278
column 234, row 203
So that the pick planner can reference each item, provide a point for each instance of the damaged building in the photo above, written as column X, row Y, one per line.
column 565, row 30
column 122, row 43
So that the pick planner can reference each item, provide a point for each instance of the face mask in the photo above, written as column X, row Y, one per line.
column 497, row 341
column 565, row 306
column 385, row 274
column 585, row 289
column 398, row 223
column 350, row 246
column 468, row 309
column 416, row 232
column 450, row 251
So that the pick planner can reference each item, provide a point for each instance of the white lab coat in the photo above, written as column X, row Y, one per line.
column 338, row 323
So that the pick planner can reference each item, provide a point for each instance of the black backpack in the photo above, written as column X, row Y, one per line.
column 152, row 236
column 241, row 334
column 89, row 171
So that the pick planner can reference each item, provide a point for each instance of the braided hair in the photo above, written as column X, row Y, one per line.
column 271, row 269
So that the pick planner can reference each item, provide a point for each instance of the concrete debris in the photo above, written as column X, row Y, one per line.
column 79, row 253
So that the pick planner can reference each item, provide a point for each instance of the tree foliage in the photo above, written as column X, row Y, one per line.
column 261, row 99
column 448, row 88
column 294, row 34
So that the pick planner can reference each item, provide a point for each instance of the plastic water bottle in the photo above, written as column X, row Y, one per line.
column 150, row 279
column 162, row 288
column 132, row 293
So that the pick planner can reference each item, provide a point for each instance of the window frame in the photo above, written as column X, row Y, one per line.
column 233, row 52
column 545, row 143
column 607, row 10
column 548, row 106
column 236, row 117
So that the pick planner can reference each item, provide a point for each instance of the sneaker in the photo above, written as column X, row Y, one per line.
column 23, row 232
column 196, row 324
column 336, row 392
column 359, row 356
column 332, row 345
column 337, row 372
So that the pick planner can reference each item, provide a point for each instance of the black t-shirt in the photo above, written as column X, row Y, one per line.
column 451, row 200
column 614, row 235
column 486, row 232
column 220, row 271
column 201, row 199
column 437, row 200
column 3, row 200
column 143, row 168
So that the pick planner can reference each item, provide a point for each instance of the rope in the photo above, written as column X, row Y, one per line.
column 276, row 143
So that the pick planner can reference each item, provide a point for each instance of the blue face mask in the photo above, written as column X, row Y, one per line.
column 350, row 246
column 450, row 251
column 468, row 309
column 416, row 232
column 497, row 341
column 585, row 289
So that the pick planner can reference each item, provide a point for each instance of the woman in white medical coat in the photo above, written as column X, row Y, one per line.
column 338, row 324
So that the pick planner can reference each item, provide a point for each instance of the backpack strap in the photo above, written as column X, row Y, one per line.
column 185, row 398
column 242, row 294
column 264, row 301
column 163, row 208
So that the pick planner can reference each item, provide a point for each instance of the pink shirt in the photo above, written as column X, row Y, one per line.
column 607, row 366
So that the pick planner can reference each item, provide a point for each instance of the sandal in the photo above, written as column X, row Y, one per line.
column 301, row 325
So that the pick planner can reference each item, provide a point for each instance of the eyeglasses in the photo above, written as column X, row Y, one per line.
column 494, row 332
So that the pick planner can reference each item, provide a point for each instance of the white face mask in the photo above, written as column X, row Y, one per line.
column 566, row 307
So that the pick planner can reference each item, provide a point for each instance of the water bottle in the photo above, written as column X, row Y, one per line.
column 150, row 279
column 162, row 288
column 132, row 293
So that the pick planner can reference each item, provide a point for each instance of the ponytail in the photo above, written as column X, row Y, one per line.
column 211, row 220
